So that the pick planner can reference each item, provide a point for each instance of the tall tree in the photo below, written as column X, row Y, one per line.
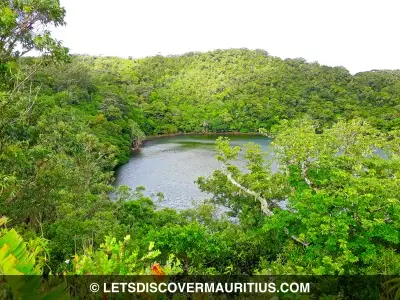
column 24, row 26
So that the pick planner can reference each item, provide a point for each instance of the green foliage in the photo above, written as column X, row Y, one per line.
column 393, row 287
column 243, row 90
column 340, row 195
column 20, row 258
column 25, row 24
column 115, row 258
column 332, row 208
column 16, row 256
column 192, row 244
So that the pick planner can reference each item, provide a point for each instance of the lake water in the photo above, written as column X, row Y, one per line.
column 171, row 165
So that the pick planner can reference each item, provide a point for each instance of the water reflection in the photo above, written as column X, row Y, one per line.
column 171, row 166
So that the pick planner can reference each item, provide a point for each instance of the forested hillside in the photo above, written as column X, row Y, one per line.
column 67, row 122
column 229, row 90
column 235, row 90
column 243, row 90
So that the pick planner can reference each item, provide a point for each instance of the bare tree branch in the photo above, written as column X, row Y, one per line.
column 265, row 206
column 304, row 169
column 264, row 203
column 296, row 238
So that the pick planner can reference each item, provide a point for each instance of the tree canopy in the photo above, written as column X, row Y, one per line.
column 24, row 26
column 68, row 122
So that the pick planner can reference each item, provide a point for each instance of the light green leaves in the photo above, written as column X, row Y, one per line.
column 24, row 23
column 119, row 258
column 15, row 258
column 341, row 213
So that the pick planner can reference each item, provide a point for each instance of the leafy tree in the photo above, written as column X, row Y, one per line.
column 23, row 28
column 16, row 256
column 115, row 258
column 340, row 201
column 332, row 208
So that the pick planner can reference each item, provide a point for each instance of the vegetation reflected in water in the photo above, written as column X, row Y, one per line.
column 171, row 165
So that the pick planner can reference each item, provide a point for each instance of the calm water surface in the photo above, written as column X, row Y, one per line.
column 171, row 165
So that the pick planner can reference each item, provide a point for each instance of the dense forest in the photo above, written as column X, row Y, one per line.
column 68, row 121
